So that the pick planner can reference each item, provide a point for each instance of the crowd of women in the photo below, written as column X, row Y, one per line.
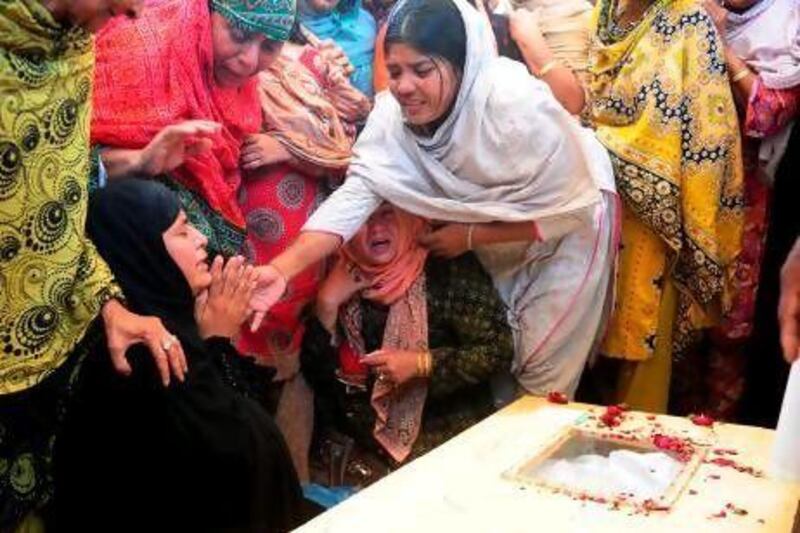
column 250, row 247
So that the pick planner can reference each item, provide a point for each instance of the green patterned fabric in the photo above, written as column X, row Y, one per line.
column 273, row 18
column 223, row 237
column 29, row 422
column 53, row 282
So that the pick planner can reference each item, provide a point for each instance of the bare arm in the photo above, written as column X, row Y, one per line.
column 742, row 79
column 452, row 240
column 120, row 162
column 566, row 87
column 562, row 81
column 166, row 152
column 309, row 248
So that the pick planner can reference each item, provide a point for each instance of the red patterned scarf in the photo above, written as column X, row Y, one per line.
column 158, row 70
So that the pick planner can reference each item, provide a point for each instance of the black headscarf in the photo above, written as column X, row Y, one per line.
column 126, row 222
column 194, row 456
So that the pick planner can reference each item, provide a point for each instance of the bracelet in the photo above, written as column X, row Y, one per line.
column 280, row 272
column 470, row 231
column 550, row 65
column 424, row 364
column 740, row 75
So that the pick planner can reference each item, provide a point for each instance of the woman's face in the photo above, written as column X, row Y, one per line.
column 424, row 86
column 239, row 54
column 376, row 241
column 92, row 15
column 187, row 247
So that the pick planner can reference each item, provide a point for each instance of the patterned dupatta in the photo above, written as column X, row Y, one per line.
column 158, row 70
column 398, row 410
column 53, row 283
column 662, row 105
column 300, row 110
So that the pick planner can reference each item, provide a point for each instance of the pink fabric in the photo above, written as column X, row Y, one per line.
column 398, row 410
column 298, row 110
column 770, row 110
column 391, row 281
column 157, row 70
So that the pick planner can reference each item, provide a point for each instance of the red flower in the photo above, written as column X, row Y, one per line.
column 557, row 397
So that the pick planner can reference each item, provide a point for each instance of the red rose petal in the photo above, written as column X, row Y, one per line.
column 557, row 397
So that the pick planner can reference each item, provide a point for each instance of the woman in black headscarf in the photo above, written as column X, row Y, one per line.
column 195, row 455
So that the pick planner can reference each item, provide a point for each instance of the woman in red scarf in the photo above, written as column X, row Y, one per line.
column 176, row 94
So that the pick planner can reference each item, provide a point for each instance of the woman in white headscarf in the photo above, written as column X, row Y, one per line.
column 762, row 52
column 466, row 137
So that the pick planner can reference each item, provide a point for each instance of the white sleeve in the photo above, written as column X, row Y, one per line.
column 556, row 226
column 346, row 210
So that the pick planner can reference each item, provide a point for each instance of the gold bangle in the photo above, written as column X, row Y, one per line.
column 550, row 65
column 740, row 75
column 428, row 364
column 420, row 365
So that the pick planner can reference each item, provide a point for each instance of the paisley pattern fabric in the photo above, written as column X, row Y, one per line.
column 224, row 238
column 52, row 281
column 398, row 410
column 29, row 422
column 662, row 105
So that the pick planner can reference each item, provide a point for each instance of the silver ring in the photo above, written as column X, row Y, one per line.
column 168, row 342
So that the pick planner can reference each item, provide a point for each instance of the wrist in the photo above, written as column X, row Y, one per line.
column 217, row 329
column 110, row 309
column 284, row 267
column 136, row 163
column 537, row 59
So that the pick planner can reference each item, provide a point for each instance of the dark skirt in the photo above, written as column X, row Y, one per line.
column 29, row 422
column 767, row 371
column 196, row 456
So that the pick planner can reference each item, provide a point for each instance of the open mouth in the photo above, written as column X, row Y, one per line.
column 380, row 246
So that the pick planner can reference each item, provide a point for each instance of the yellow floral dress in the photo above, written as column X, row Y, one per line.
column 661, row 104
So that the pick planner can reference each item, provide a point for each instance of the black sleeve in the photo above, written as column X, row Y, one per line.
column 239, row 371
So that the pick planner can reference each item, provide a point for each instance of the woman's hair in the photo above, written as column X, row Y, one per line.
column 432, row 27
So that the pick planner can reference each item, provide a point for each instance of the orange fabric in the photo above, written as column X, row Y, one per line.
column 157, row 70
column 380, row 75
column 392, row 280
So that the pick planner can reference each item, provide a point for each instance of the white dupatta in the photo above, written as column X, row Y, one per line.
column 507, row 152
